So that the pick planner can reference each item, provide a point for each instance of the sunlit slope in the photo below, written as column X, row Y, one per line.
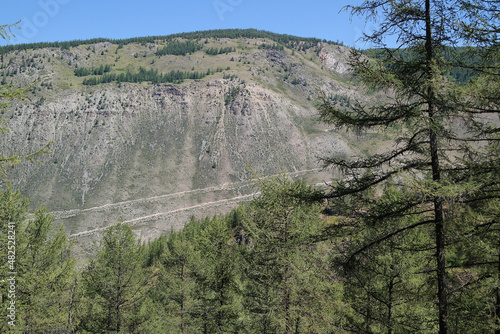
column 155, row 151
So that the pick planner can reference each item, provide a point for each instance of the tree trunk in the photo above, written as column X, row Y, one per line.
column 118, row 300
column 440, row 261
column 297, row 325
column 497, row 304
column 390, row 306
column 71, row 306
column 286, row 307
column 436, row 177
column 183, row 325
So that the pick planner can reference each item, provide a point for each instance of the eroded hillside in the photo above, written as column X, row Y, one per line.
column 154, row 154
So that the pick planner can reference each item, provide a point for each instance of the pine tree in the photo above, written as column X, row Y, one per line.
column 216, row 278
column 284, row 274
column 437, row 126
column 42, row 264
column 175, row 292
column 385, row 285
column 46, row 271
column 13, row 211
column 6, row 30
column 116, row 283
column 7, row 95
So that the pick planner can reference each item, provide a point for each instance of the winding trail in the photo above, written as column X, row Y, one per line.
column 135, row 221
column 64, row 214
column 142, row 200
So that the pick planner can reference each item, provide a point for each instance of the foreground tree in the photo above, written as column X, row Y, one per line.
column 385, row 286
column 285, row 275
column 216, row 277
column 44, row 270
column 45, row 274
column 13, row 211
column 116, row 284
column 175, row 291
column 8, row 93
column 436, row 120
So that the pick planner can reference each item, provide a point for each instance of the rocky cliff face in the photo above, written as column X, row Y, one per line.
column 334, row 58
column 153, row 155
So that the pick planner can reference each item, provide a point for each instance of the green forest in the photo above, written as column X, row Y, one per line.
column 151, row 76
column 407, row 241
column 178, row 48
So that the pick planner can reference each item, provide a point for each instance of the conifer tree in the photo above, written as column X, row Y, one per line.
column 116, row 284
column 175, row 292
column 46, row 271
column 7, row 94
column 436, row 118
column 13, row 211
column 6, row 30
column 216, row 277
column 42, row 263
column 384, row 286
column 284, row 275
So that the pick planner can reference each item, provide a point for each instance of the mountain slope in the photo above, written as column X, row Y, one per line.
column 154, row 154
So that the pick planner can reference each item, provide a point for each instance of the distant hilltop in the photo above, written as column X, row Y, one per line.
column 283, row 39
column 153, row 130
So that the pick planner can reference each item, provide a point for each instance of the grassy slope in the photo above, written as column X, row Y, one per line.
column 127, row 142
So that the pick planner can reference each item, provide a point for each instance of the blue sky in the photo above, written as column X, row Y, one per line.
column 63, row 20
